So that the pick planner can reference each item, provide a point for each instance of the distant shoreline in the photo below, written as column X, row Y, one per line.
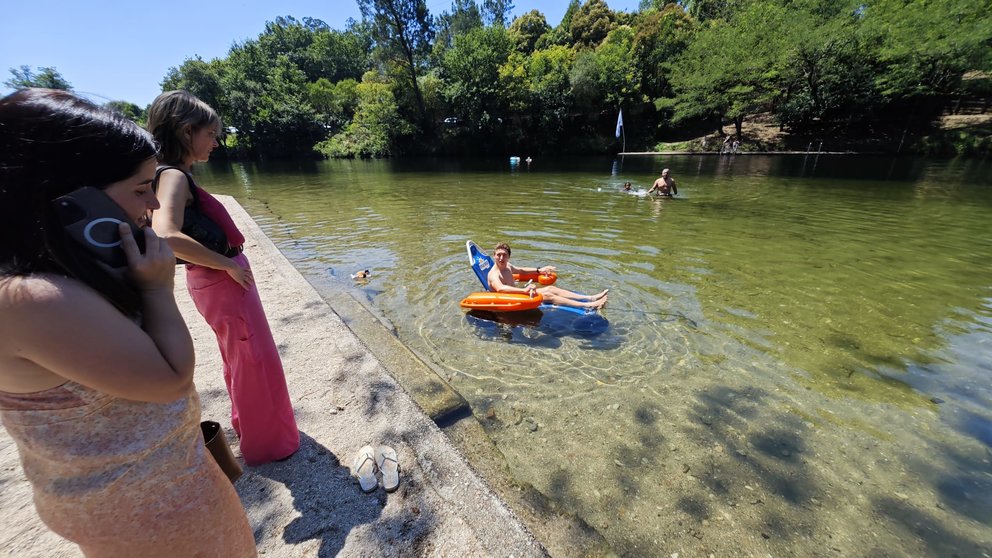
column 758, row 153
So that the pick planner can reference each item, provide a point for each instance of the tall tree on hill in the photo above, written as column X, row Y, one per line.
column 403, row 31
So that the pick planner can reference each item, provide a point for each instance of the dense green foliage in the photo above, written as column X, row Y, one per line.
column 469, row 81
column 48, row 78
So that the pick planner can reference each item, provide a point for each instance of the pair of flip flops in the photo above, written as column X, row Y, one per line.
column 381, row 459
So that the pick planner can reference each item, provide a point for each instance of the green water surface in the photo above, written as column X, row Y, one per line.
column 798, row 352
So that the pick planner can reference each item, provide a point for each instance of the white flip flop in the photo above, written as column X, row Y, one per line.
column 364, row 469
column 385, row 459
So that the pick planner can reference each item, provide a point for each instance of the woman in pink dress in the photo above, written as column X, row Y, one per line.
column 96, row 362
column 219, row 278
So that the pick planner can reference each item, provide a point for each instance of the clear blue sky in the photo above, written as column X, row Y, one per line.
column 121, row 50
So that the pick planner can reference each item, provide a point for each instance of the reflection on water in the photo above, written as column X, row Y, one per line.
column 797, row 348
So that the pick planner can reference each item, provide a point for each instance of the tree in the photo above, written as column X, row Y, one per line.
column 707, row 10
column 403, row 33
column 731, row 69
column 471, row 73
column 924, row 53
column 527, row 29
column 317, row 50
column 47, row 77
column 591, row 23
column 335, row 103
column 828, row 72
column 660, row 36
column 268, row 101
column 551, row 90
column 375, row 128
column 495, row 12
column 130, row 110
column 464, row 16
column 617, row 68
column 200, row 78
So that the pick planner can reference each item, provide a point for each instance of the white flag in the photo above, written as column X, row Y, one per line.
column 619, row 122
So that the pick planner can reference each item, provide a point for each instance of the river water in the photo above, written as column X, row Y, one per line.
column 798, row 356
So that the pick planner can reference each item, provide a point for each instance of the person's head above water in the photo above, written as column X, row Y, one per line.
column 175, row 118
column 626, row 185
column 664, row 172
column 502, row 247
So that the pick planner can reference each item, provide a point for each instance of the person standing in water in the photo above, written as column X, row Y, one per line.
column 219, row 278
column 665, row 185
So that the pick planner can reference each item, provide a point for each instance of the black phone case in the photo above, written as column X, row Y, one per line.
column 91, row 219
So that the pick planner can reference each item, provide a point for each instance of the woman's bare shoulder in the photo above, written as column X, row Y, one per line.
column 38, row 288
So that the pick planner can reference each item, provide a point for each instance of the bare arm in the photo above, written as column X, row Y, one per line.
column 173, row 194
column 53, row 325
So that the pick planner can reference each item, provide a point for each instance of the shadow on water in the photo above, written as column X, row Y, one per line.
column 542, row 328
column 731, row 456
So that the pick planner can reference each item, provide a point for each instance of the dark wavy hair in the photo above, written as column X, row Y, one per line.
column 51, row 143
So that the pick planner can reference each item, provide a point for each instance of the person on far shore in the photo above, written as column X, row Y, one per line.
column 501, row 281
column 219, row 278
column 665, row 185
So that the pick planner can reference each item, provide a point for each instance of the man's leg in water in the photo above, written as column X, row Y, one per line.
column 563, row 293
column 563, row 301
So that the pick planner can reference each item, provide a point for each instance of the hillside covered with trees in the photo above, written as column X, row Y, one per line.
column 867, row 74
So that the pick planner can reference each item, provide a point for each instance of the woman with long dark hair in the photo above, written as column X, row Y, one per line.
column 96, row 367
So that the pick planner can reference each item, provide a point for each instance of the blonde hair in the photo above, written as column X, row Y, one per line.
column 170, row 114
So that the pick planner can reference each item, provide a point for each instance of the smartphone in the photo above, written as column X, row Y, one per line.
column 91, row 218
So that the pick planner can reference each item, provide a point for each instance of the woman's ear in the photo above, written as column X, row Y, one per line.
column 187, row 132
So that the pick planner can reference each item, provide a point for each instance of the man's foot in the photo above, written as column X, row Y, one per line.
column 599, row 303
column 598, row 296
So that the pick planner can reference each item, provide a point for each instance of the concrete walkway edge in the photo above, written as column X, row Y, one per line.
column 344, row 398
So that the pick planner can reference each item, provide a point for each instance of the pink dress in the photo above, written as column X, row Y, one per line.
column 125, row 478
column 261, row 410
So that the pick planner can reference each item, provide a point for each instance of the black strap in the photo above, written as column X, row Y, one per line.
column 189, row 181
column 196, row 224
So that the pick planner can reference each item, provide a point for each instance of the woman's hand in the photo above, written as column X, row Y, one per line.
column 156, row 268
column 240, row 274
